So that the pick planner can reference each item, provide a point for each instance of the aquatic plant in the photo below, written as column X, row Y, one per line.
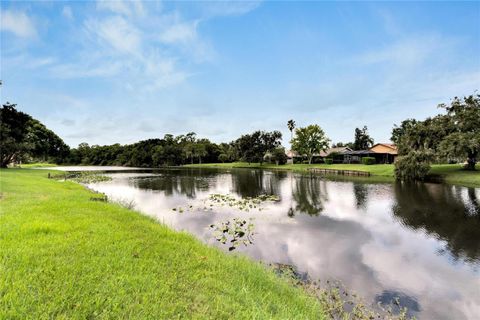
column 80, row 177
column 245, row 204
column 337, row 300
column 234, row 232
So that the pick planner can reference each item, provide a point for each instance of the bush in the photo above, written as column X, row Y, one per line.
column 413, row 166
column 328, row 160
column 368, row 160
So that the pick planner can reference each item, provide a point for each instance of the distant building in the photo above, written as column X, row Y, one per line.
column 385, row 152
column 382, row 152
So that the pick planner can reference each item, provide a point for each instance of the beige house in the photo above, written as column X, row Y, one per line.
column 387, row 151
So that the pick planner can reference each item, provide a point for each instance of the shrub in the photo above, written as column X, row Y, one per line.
column 328, row 160
column 413, row 166
column 368, row 160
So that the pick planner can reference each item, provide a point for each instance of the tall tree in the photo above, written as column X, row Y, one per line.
column 253, row 147
column 291, row 126
column 464, row 138
column 362, row 140
column 21, row 136
column 13, row 133
column 309, row 141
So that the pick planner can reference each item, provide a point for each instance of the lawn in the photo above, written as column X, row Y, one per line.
column 450, row 173
column 63, row 256
column 37, row 165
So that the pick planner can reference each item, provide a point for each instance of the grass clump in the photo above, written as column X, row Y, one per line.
column 64, row 256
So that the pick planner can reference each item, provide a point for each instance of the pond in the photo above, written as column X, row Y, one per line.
column 419, row 242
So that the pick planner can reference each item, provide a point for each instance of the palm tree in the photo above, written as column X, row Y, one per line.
column 291, row 127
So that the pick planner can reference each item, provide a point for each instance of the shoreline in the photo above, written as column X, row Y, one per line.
column 84, row 257
column 443, row 173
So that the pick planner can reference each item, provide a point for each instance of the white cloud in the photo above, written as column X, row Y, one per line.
column 67, row 12
column 18, row 23
column 405, row 51
column 127, row 8
column 228, row 8
column 180, row 33
column 116, row 32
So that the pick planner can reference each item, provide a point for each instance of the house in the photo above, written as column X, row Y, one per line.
column 333, row 151
column 382, row 152
column 337, row 154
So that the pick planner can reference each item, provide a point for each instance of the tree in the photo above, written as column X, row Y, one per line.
column 278, row 156
column 362, row 140
column 309, row 140
column 21, row 136
column 44, row 144
column 13, row 134
column 451, row 136
column 399, row 131
column 413, row 166
column 253, row 147
column 200, row 151
column 463, row 140
column 291, row 126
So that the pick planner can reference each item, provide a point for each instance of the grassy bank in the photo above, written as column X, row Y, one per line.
column 450, row 173
column 64, row 256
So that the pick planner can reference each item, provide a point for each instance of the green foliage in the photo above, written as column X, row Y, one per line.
column 413, row 166
column 309, row 140
column 328, row 160
column 253, row 147
column 464, row 138
column 235, row 231
column 453, row 136
column 223, row 157
column 362, row 140
column 278, row 156
column 24, row 138
column 399, row 131
column 368, row 160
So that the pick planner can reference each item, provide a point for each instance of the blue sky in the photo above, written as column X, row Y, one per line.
column 110, row 71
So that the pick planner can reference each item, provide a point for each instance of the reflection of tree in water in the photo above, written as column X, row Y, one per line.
column 397, row 300
column 252, row 183
column 360, row 190
column 439, row 209
column 185, row 182
column 309, row 193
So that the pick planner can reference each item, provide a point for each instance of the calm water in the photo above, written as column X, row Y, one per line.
column 418, row 242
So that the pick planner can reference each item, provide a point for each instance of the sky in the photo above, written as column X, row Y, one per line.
column 106, row 72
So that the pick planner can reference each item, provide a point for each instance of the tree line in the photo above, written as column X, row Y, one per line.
column 450, row 137
column 25, row 139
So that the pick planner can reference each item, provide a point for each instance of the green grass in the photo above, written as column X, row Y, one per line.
column 453, row 173
column 37, row 165
column 63, row 256
column 450, row 173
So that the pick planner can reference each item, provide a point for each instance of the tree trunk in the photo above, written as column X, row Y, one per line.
column 310, row 159
column 471, row 161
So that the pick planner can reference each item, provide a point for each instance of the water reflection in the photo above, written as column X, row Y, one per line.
column 309, row 194
column 443, row 211
column 417, row 242
column 252, row 183
column 360, row 190
column 183, row 182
